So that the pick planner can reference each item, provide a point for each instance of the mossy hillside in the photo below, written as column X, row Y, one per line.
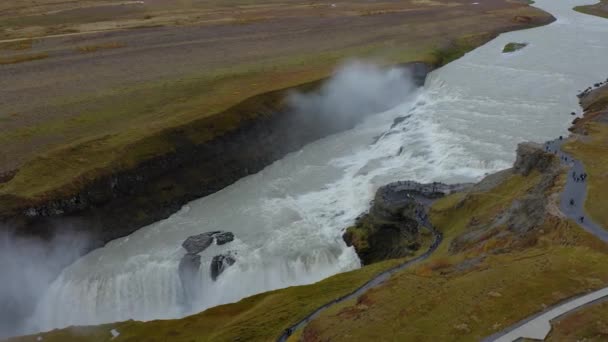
column 427, row 306
column 359, row 238
column 458, row 213
column 595, row 101
column 471, row 294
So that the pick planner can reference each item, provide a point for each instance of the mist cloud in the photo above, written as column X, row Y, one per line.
column 28, row 265
column 356, row 89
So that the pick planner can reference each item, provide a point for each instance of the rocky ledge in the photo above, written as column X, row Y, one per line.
column 391, row 228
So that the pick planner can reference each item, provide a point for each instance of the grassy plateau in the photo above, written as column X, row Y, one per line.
column 82, row 107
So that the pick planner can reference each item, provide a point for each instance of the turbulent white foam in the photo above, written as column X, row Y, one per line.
column 288, row 218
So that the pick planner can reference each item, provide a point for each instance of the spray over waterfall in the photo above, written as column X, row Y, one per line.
column 286, row 222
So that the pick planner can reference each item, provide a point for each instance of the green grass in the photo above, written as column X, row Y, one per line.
column 600, row 9
column 23, row 58
column 465, row 306
column 512, row 47
column 589, row 324
column 459, row 47
column 359, row 236
column 24, row 44
column 596, row 100
column 98, row 47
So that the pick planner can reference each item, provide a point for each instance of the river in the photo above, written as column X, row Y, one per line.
column 288, row 219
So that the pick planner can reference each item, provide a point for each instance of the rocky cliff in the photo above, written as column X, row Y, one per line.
column 392, row 227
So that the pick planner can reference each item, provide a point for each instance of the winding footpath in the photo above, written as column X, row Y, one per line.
column 423, row 220
column 572, row 202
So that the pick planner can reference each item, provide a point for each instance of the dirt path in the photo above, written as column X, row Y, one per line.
column 572, row 202
column 423, row 220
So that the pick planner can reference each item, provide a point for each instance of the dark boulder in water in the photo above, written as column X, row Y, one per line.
column 220, row 263
column 223, row 237
column 198, row 243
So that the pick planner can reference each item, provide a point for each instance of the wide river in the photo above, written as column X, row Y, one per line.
column 288, row 219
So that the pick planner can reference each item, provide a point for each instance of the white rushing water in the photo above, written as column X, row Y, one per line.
column 288, row 219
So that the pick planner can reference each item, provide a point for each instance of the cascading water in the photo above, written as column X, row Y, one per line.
column 288, row 219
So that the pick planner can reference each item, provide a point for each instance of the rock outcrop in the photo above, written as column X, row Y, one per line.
column 222, row 238
column 527, row 212
column 391, row 228
column 532, row 156
column 220, row 263
column 198, row 243
column 190, row 263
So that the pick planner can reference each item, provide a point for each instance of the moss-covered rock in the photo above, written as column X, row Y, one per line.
column 512, row 47
column 391, row 229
